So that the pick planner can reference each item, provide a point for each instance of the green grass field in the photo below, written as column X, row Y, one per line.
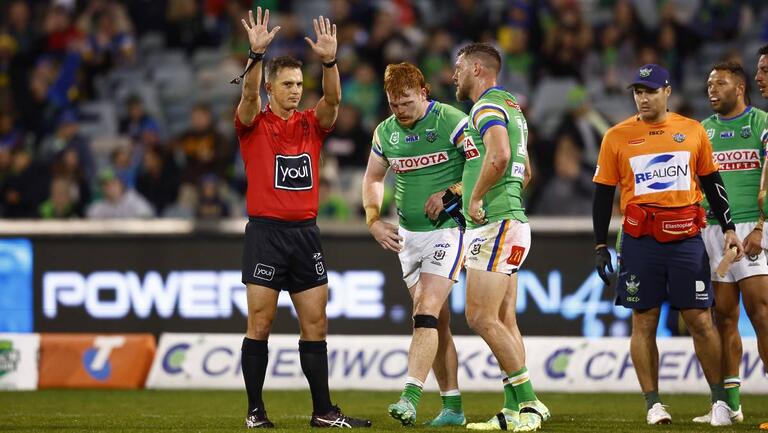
column 209, row 411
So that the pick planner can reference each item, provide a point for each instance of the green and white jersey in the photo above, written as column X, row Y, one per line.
column 503, row 201
column 426, row 158
column 738, row 147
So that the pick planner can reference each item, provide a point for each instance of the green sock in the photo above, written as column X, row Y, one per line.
column 521, row 383
column 732, row 387
column 451, row 400
column 510, row 399
column 651, row 398
column 412, row 393
column 717, row 392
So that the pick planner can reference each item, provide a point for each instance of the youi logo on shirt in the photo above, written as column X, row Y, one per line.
column 293, row 172
column 658, row 172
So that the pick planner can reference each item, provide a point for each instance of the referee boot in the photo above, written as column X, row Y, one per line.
column 335, row 418
column 258, row 419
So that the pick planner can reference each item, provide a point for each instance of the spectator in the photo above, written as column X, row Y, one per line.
column 331, row 205
column 138, row 124
column 211, row 205
column 25, row 187
column 203, row 148
column 158, row 180
column 11, row 136
column 584, row 125
column 68, row 136
column 67, row 166
column 62, row 202
column 117, row 201
column 349, row 143
column 570, row 191
column 363, row 92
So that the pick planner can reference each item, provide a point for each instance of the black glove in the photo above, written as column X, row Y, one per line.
column 603, row 261
column 452, row 206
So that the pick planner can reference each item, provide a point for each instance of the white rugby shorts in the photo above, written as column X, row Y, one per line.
column 438, row 252
column 500, row 246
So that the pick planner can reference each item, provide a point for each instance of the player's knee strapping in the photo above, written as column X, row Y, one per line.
column 424, row 321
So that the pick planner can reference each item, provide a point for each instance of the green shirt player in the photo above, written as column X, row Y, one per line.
column 498, row 237
column 737, row 131
column 421, row 143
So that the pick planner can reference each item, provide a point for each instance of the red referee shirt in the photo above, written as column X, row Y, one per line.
column 282, row 164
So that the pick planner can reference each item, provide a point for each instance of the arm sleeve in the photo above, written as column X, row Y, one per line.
column 601, row 211
column 713, row 187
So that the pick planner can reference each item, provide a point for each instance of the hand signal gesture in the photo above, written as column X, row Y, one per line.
column 258, row 36
column 325, row 46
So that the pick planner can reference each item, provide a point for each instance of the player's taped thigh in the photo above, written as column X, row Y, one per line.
column 424, row 321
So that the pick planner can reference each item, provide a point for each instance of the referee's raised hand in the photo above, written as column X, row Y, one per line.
column 325, row 46
column 258, row 35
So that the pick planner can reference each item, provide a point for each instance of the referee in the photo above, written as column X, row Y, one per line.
column 281, row 150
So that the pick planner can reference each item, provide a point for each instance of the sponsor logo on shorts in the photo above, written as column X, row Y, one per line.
column 320, row 268
column 443, row 245
column 475, row 249
column 439, row 255
column 516, row 256
column 293, row 172
column 264, row 272
column 753, row 258
column 633, row 286
column 701, row 291
column 410, row 163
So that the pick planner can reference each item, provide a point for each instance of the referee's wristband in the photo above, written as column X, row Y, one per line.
column 256, row 57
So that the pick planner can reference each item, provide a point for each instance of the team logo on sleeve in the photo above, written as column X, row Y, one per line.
column 659, row 172
column 293, row 172
column 746, row 131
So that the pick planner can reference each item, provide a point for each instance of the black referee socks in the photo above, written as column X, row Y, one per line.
column 314, row 363
column 253, row 360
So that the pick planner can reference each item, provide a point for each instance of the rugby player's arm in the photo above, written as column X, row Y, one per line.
column 496, row 161
column 373, row 187
column 601, row 212
column 528, row 175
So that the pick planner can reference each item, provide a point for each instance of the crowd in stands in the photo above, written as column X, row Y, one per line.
column 113, row 109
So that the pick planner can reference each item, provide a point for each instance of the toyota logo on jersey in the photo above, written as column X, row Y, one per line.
column 661, row 172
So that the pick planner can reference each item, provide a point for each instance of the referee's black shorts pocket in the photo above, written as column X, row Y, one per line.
column 264, row 256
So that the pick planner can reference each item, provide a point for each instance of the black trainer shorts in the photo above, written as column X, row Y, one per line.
column 283, row 255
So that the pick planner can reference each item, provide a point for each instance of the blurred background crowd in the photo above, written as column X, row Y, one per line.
column 112, row 109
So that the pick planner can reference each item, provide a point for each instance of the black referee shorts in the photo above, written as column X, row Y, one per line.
column 283, row 255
